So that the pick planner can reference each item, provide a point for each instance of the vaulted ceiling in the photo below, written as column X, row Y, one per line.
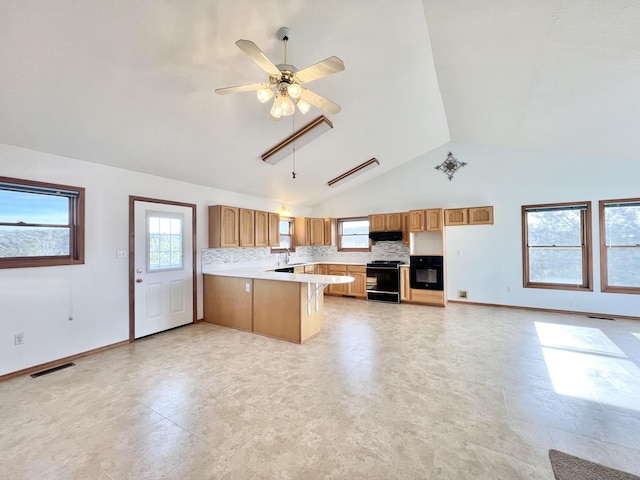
column 130, row 84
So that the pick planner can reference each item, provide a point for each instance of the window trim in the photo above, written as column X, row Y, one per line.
column 604, row 270
column 339, row 223
column 77, row 228
column 587, row 247
column 292, row 227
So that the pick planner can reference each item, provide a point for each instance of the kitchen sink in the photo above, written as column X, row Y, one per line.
column 284, row 270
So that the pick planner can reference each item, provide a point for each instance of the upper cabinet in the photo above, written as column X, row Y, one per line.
column 469, row 216
column 261, row 227
column 481, row 216
column 247, row 227
column 330, row 230
column 405, row 229
column 241, row 227
column 385, row 222
column 416, row 221
column 377, row 223
column 429, row 220
column 308, row 231
column 223, row 226
column 456, row 216
column 274, row 229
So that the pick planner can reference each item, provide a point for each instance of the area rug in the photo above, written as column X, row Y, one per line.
column 568, row 467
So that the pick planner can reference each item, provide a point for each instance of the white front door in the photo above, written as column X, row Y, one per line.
column 163, row 267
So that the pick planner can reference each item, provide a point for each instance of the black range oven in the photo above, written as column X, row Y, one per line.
column 426, row 272
column 383, row 281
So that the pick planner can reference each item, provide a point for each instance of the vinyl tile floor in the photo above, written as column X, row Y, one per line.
column 386, row 391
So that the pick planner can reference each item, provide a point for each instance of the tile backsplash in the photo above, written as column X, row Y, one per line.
column 379, row 251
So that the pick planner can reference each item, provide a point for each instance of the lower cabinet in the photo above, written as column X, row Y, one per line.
column 422, row 297
column 357, row 288
column 337, row 288
column 405, row 285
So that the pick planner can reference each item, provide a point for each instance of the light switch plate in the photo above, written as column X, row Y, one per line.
column 121, row 254
column 247, row 287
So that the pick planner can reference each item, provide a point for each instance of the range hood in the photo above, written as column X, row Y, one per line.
column 385, row 236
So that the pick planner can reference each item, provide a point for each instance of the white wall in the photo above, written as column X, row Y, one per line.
column 486, row 259
column 38, row 301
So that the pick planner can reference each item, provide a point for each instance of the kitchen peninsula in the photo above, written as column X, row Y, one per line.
column 288, row 306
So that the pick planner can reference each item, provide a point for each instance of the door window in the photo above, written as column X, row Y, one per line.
column 164, row 241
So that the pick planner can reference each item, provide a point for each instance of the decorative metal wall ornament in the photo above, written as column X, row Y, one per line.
column 450, row 166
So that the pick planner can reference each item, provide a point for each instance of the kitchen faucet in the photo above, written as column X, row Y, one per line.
column 286, row 256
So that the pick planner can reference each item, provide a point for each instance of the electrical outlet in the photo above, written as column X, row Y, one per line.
column 18, row 338
column 462, row 294
column 508, row 289
column 121, row 254
column 247, row 287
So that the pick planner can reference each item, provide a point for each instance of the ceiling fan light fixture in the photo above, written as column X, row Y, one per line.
column 276, row 108
column 294, row 90
column 284, row 105
column 303, row 106
column 264, row 94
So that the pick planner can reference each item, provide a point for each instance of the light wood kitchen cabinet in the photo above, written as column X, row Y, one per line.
column 261, row 227
column 247, row 227
column 394, row 222
column 316, row 227
column 274, row 229
column 223, row 226
column 357, row 288
column 405, row 229
column 309, row 231
column 298, row 269
column 433, row 220
column 428, row 297
column 330, row 229
column 405, row 285
column 377, row 223
column 455, row 216
column 416, row 221
column 309, row 269
column 481, row 216
column 227, row 301
column 321, row 269
column 385, row 222
column 337, row 288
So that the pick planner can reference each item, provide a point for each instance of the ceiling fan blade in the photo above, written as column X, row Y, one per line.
column 241, row 88
column 320, row 102
column 326, row 67
column 258, row 56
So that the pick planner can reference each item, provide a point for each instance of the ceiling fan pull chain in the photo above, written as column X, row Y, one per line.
column 293, row 127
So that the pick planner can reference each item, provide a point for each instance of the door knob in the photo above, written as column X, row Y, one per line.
column 138, row 280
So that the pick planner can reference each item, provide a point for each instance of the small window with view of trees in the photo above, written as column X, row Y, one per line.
column 557, row 246
column 41, row 224
column 353, row 235
column 620, row 246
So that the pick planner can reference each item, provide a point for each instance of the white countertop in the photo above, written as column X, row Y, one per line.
column 281, row 276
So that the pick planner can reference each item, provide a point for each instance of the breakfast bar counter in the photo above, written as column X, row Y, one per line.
column 288, row 306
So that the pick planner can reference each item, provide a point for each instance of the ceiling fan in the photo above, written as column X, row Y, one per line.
column 285, row 81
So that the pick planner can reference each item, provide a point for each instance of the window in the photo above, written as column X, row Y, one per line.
column 557, row 246
column 620, row 246
column 41, row 224
column 164, row 241
column 286, row 236
column 353, row 234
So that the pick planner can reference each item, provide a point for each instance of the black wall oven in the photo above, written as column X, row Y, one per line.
column 426, row 272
